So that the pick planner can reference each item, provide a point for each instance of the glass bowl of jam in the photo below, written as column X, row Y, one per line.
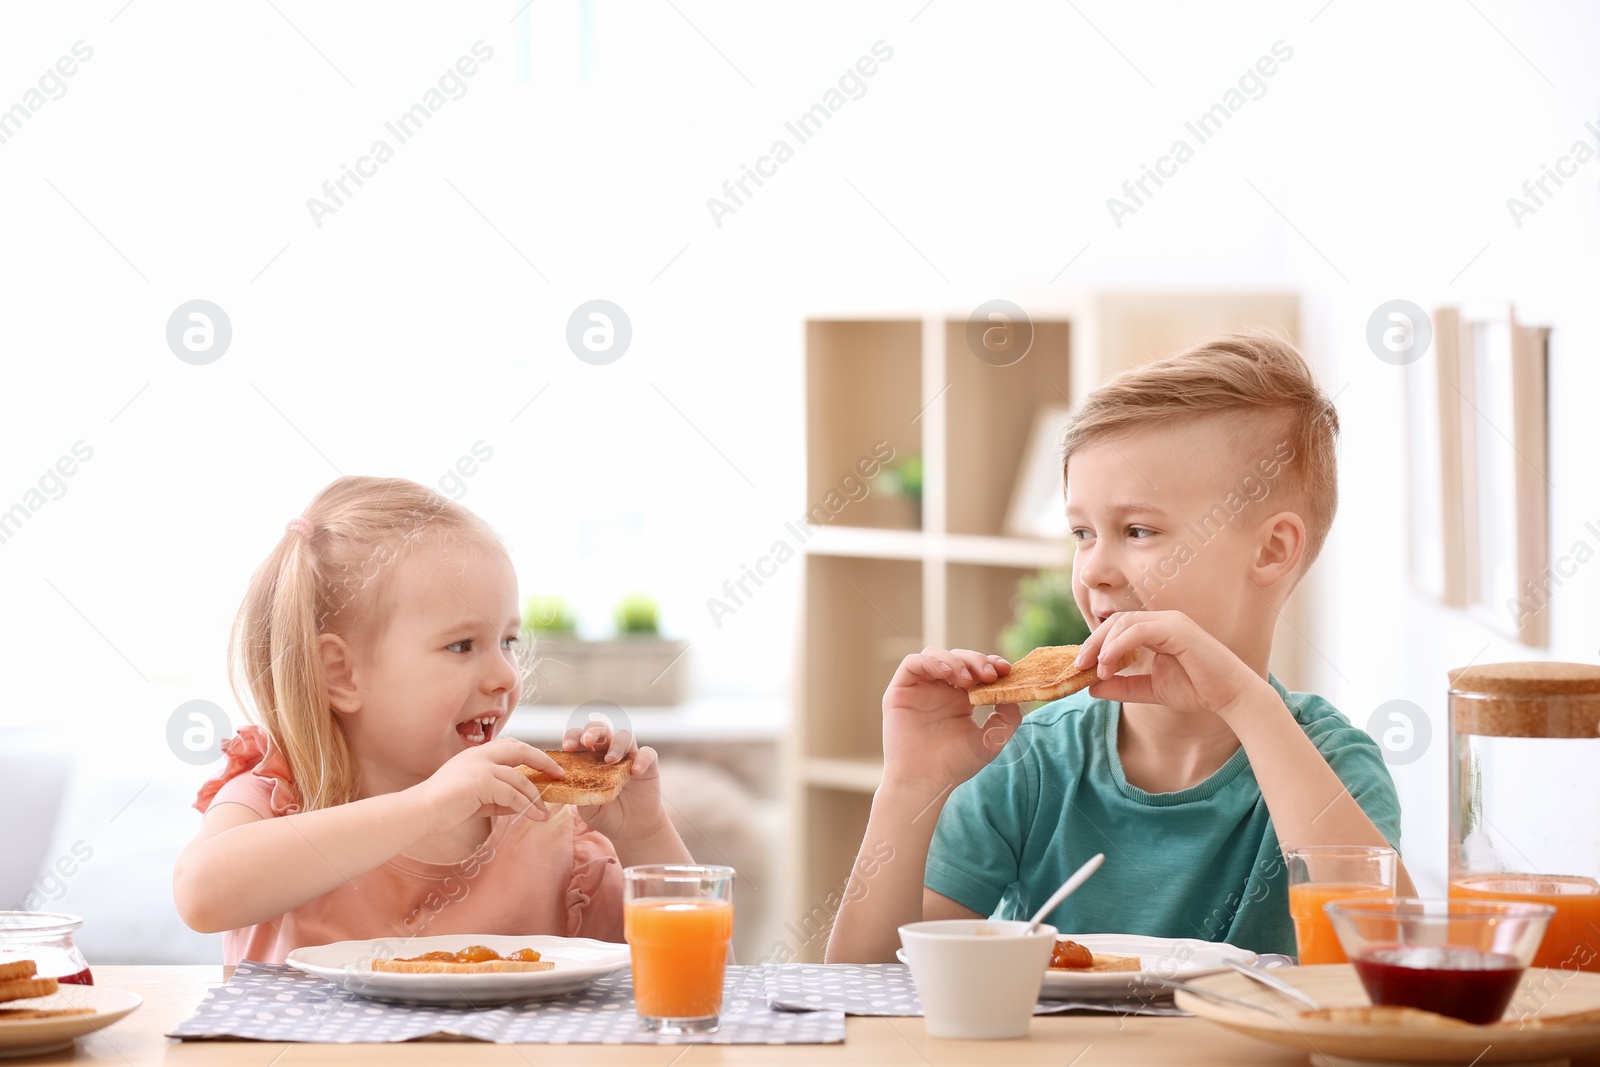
column 1461, row 958
column 45, row 937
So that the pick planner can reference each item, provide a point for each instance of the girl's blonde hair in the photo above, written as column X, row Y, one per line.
column 1256, row 376
column 329, row 574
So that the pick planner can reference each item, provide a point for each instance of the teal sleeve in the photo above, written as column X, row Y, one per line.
column 976, row 854
column 1358, row 761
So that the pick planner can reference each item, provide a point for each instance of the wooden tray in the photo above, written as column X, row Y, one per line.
column 1528, row 1033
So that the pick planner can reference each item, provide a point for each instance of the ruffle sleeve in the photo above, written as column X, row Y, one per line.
column 251, row 751
column 594, row 892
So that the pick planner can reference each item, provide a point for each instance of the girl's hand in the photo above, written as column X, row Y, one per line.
column 484, row 781
column 929, row 736
column 1191, row 670
column 638, row 812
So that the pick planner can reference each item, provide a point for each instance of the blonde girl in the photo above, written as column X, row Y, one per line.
column 376, row 798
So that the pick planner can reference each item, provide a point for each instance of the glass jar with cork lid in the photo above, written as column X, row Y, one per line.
column 1525, row 796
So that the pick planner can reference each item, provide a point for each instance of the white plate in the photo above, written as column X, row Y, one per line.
column 1159, row 957
column 30, row 1037
column 578, row 962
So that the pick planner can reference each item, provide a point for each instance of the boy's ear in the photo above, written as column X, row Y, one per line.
column 1280, row 547
column 338, row 669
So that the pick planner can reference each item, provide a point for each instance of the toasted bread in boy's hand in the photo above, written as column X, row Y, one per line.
column 1045, row 673
column 589, row 779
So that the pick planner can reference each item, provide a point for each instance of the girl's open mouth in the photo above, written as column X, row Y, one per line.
column 478, row 731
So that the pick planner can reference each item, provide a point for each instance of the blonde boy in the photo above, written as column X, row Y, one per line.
column 1198, row 490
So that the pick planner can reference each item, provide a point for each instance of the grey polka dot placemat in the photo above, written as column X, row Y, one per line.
column 887, row 989
column 273, row 1002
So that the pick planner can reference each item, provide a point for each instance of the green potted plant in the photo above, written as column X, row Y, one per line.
column 904, row 480
column 635, row 667
column 1043, row 613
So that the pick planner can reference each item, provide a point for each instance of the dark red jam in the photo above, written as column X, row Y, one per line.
column 1462, row 983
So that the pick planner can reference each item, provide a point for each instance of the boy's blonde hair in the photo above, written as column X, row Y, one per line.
column 1257, row 376
column 329, row 574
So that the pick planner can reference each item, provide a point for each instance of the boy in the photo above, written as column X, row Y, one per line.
column 1198, row 490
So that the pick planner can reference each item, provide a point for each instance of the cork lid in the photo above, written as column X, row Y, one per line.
column 1538, row 699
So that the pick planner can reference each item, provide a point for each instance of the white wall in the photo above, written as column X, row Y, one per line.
column 406, row 328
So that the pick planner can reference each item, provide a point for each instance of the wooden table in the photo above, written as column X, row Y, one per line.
column 172, row 993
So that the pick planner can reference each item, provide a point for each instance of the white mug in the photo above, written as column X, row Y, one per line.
column 977, row 978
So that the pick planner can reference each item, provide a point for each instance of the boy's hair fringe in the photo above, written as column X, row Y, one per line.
column 330, row 580
column 1256, row 375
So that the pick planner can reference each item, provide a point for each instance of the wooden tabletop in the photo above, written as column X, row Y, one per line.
column 172, row 993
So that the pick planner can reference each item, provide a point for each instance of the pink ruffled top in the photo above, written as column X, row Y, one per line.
column 556, row 877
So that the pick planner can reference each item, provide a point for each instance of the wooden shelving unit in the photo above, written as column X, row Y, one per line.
column 886, row 578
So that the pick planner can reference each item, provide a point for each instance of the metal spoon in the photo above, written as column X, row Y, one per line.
column 1275, row 984
column 1079, row 876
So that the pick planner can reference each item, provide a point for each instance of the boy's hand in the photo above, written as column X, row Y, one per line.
column 484, row 781
column 1191, row 670
column 928, row 733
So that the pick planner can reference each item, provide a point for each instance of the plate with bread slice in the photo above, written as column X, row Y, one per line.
column 462, row 970
column 1120, row 965
column 39, row 1015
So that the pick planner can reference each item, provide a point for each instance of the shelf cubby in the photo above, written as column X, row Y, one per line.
column 981, row 603
column 863, row 386
column 990, row 413
column 863, row 616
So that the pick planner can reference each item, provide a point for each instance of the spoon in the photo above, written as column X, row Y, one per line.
column 1079, row 876
column 1274, row 983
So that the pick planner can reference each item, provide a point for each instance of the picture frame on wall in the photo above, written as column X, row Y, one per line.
column 1502, row 403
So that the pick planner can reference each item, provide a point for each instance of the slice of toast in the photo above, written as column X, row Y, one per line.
column 1105, row 961
column 440, row 967
column 23, row 988
column 12, row 970
column 1383, row 1015
column 589, row 779
column 1046, row 673
column 17, row 1015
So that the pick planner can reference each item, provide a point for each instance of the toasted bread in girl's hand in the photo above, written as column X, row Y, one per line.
column 589, row 779
column 1046, row 673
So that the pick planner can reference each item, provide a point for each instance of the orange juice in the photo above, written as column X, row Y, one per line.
column 1313, row 931
column 1572, row 940
column 680, row 950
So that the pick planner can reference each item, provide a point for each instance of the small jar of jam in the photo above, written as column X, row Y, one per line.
column 45, row 937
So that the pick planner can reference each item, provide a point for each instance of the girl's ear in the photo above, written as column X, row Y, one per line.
column 1280, row 547
column 338, row 669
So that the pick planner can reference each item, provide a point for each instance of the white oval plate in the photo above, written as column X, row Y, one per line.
column 578, row 962
column 1159, row 957
column 29, row 1037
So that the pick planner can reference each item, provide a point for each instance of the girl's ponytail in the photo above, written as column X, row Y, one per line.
column 313, row 742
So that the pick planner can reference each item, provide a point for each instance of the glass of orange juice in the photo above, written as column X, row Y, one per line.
column 1319, row 874
column 678, row 919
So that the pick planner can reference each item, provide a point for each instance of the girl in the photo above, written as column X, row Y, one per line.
column 378, row 643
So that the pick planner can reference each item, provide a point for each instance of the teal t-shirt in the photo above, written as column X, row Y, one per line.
column 1202, row 862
